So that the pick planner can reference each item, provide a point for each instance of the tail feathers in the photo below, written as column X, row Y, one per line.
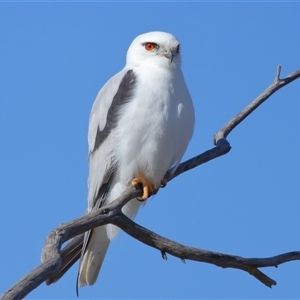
column 69, row 255
column 130, row 210
column 93, row 257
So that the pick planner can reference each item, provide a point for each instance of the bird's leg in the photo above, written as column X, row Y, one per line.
column 148, row 188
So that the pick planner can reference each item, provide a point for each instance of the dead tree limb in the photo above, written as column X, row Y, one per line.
column 274, row 86
column 113, row 214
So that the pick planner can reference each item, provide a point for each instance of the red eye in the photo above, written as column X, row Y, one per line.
column 150, row 46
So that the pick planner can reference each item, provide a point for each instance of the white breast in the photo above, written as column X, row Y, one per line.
column 153, row 132
column 156, row 126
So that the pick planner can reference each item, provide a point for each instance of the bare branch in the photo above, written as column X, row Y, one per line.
column 275, row 86
column 183, row 252
column 113, row 214
column 222, row 147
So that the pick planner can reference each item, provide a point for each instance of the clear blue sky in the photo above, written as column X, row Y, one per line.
column 54, row 59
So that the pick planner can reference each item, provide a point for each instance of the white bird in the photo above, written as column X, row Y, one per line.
column 140, row 125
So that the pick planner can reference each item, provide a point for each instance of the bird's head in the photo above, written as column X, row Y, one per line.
column 155, row 47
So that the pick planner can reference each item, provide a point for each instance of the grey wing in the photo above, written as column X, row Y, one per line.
column 102, row 162
column 103, row 119
column 116, row 92
column 101, row 157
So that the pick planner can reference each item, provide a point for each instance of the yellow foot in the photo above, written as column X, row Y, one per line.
column 148, row 188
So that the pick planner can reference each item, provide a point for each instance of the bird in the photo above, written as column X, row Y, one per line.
column 140, row 125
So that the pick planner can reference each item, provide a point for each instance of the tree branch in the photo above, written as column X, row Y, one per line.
column 183, row 252
column 113, row 214
column 274, row 86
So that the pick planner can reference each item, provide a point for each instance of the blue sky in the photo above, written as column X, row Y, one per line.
column 54, row 59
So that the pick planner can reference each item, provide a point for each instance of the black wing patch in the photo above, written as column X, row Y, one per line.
column 123, row 96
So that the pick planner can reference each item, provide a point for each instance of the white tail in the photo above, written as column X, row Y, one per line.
column 93, row 257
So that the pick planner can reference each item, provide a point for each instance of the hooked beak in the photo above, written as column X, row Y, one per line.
column 169, row 54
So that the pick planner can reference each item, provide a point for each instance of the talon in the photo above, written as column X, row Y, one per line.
column 148, row 188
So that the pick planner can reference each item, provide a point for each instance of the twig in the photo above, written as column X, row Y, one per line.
column 275, row 86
